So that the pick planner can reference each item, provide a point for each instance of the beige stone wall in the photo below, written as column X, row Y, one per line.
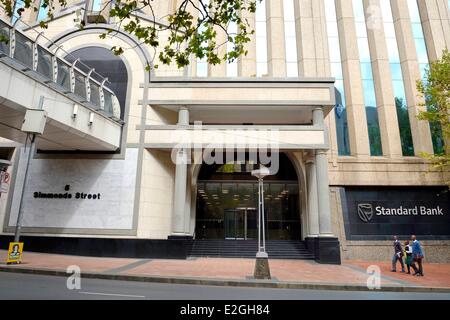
column 155, row 215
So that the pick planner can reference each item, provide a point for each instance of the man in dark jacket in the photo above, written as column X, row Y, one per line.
column 398, row 255
column 418, row 256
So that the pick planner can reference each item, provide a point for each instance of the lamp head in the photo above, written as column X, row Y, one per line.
column 261, row 172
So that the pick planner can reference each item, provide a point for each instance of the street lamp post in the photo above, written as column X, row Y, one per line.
column 262, row 270
column 33, row 125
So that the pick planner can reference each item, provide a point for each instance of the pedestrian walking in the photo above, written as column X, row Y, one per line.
column 418, row 256
column 408, row 256
column 398, row 255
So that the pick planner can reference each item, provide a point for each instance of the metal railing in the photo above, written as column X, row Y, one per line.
column 69, row 78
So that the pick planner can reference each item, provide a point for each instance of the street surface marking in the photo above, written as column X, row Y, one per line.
column 111, row 294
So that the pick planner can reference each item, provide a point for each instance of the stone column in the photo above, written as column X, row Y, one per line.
column 356, row 113
column 312, row 204
column 326, row 245
column 180, row 188
column 420, row 130
column 386, row 109
column 276, row 49
column 436, row 26
column 247, row 63
column 313, row 210
column 323, row 194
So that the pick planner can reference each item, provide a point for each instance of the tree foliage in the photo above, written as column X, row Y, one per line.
column 435, row 90
column 190, row 31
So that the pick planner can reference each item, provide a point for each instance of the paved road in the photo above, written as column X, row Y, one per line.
column 26, row 286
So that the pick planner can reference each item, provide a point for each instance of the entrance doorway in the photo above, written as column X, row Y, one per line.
column 240, row 224
column 227, row 201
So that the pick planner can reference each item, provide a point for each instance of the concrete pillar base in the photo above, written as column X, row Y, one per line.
column 310, row 242
column 262, row 270
column 327, row 250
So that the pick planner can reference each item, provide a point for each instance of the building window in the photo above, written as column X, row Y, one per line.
column 397, row 79
column 19, row 4
column 422, row 57
column 336, row 72
column 290, row 39
column 232, row 67
column 367, row 80
column 42, row 13
column 261, row 39
column 97, row 5
column 202, row 64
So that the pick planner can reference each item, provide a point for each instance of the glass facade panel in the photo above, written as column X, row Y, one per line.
column 336, row 71
column 261, row 39
column 202, row 64
column 290, row 38
column 232, row 67
column 63, row 75
column 96, row 5
column 422, row 57
column 397, row 80
column 80, row 85
column 18, row 4
column 367, row 79
column 42, row 13
column 95, row 94
column 23, row 51
column 44, row 66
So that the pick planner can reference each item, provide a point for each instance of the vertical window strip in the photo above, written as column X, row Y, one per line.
column 370, row 101
column 261, row 39
column 202, row 64
column 423, row 60
column 397, row 79
column 19, row 4
column 232, row 67
column 42, row 13
column 96, row 5
column 336, row 72
column 290, row 38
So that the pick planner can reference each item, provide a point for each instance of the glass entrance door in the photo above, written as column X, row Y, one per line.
column 240, row 223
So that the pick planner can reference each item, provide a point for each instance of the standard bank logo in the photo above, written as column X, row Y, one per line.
column 365, row 211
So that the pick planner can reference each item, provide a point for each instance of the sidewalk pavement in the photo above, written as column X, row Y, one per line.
column 301, row 274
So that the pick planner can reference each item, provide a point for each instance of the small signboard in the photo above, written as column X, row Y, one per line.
column 15, row 253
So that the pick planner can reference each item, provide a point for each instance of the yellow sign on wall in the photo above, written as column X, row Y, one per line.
column 15, row 252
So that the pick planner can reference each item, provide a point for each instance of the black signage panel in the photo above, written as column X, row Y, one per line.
column 378, row 213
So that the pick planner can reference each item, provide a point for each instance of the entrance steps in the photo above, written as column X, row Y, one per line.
column 277, row 249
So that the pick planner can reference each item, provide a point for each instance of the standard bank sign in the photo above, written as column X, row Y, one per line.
column 366, row 211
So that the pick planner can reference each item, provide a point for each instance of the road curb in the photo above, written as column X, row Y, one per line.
column 224, row 282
